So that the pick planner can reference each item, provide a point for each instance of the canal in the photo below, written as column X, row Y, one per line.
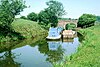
column 37, row 52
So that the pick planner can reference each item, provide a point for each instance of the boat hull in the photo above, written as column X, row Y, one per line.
column 53, row 38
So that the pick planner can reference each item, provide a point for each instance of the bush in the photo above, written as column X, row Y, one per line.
column 70, row 26
column 43, row 18
column 32, row 16
column 98, row 18
column 23, row 17
column 86, row 20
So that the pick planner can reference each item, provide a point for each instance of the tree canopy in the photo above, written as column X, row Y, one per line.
column 32, row 16
column 23, row 17
column 98, row 18
column 70, row 26
column 51, row 14
column 43, row 18
column 8, row 10
column 86, row 20
column 55, row 8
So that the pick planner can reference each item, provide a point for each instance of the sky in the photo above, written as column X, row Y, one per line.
column 74, row 8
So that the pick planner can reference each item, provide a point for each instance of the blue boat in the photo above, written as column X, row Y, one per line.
column 54, row 33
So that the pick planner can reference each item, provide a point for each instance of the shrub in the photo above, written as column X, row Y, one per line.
column 32, row 16
column 86, row 20
column 70, row 26
column 23, row 17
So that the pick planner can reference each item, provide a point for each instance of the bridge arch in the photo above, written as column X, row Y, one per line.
column 62, row 23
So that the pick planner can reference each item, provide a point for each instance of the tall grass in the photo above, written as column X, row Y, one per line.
column 88, row 54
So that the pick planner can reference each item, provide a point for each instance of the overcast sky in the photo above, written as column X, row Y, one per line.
column 74, row 8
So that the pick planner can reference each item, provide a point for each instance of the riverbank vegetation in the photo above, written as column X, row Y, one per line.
column 26, row 28
column 88, row 53
column 86, row 20
column 8, row 10
column 36, row 25
column 13, row 29
column 70, row 26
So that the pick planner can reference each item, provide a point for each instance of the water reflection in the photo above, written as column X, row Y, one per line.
column 70, row 46
column 55, row 53
column 51, row 49
column 54, row 45
column 40, row 53
column 7, row 60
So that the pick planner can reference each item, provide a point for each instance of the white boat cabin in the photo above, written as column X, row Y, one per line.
column 54, row 32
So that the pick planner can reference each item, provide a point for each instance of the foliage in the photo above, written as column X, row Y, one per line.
column 8, row 10
column 55, row 8
column 51, row 14
column 32, row 16
column 63, row 18
column 23, row 17
column 86, row 20
column 43, row 18
column 98, row 18
column 54, row 21
column 23, row 29
column 88, row 54
column 97, row 23
column 70, row 26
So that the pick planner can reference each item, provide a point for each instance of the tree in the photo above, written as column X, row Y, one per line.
column 54, row 21
column 98, row 18
column 23, row 17
column 51, row 14
column 70, row 26
column 8, row 10
column 43, row 18
column 32, row 16
column 55, row 10
column 86, row 20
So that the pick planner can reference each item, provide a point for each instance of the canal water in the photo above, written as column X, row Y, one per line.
column 41, row 53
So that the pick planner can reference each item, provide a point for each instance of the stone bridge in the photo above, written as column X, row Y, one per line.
column 62, row 23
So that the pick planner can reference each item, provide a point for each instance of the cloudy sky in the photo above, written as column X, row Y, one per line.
column 74, row 8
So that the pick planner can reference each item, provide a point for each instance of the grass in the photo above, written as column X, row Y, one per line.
column 32, row 31
column 28, row 28
column 88, row 54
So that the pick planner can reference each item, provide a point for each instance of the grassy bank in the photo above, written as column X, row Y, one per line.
column 27, row 28
column 88, row 54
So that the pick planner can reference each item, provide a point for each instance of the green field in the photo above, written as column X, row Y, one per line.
column 88, row 54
